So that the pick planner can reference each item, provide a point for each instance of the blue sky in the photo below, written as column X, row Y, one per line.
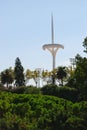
column 25, row 26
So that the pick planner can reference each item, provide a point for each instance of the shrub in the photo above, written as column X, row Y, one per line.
column 68, row 93
column 18, row 90
column 32, row 90
column 38, row 112
column 50, row 90
column 62, row 92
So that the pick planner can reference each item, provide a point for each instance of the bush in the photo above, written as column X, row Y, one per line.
column 32, row 90
column 18, row 90
column 50, row 90
column 68, row 93
column 38, row 112
column 75, row 123
column 62, row 92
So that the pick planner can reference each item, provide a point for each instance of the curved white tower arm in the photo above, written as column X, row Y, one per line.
column 52, row 46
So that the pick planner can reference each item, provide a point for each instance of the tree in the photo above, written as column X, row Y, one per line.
column 46, row 76
column 18, row 72
column 61, row 74
column 7, row 76
column 79, row 78
column 81, row 71
column 85, row 45
column 28, row 75
column 79, row 75
column 36, row 76
column 53, row 75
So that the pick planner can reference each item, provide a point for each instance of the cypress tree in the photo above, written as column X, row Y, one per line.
column 18, row 72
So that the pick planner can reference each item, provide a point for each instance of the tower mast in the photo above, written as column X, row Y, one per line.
column 52, row 29
column 53, row 48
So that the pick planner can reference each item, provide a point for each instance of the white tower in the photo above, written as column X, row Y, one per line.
column 53, row 48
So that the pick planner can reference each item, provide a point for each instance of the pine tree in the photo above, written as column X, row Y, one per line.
column 18, row 72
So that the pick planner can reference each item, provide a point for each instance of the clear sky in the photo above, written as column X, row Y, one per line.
column 25, row 25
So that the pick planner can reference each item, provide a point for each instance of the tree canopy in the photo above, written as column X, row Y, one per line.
column 7, row 76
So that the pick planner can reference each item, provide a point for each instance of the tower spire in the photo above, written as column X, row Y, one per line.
column 52, row 29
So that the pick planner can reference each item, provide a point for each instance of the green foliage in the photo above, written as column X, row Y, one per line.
column 50, row 89
column 61, row 74
column 79, row 79
column 37, row 112
column 32, row 90
column 26, row 90
column 75, row 123
column 80, row 72
column 7, row 77
column 62, row 92
column 19, row 75
column 68, row 93
column 18, row 90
